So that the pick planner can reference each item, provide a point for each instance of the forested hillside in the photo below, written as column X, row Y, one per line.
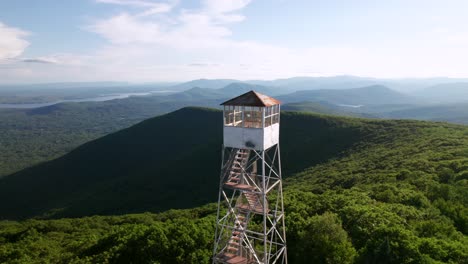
column 175, row 155
column 357, row 191
column 31, row 136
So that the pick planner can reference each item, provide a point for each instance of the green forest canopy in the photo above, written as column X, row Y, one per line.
column 398, row 195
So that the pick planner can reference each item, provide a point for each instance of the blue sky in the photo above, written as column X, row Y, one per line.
column 146, row 40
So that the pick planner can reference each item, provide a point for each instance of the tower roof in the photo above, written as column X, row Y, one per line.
column 252, row 98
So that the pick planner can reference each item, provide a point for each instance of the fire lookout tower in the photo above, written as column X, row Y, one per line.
column 250, row 220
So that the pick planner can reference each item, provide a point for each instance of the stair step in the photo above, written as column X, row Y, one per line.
column 239, row 186
column 235, row 238
column 233, row 243
column 232, row 249
column 255, row 209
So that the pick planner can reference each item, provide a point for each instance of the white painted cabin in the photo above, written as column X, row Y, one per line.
column 251, row 121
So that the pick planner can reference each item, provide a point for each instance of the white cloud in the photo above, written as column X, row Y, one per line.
column 203, row 27
column 161, row 41
column 218, row 7
column 124, row 29
column 222, row 11
column 12, row 42
column 171, row 48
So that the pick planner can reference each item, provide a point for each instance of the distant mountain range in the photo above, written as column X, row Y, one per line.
column 445, row 93
column 289, row 85
column 436, row 90
column 319, row 83
column 322, row 108
column 203, row 83
column 370, row 95
column 374, row 101
column 228, row 91
column 455, row 113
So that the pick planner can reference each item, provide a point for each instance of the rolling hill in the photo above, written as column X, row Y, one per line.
column 454, row 113
column 322, row 108
column 320, row 83
column 203, row 83
column 30, row 136
column 237, row 88
column 370, row 95
column 356, row 191
column 445, row 93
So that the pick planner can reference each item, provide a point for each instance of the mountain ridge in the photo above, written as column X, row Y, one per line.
column 368, row 95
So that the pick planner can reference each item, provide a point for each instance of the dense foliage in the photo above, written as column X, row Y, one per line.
column 357, row 191
column 401, row 195
column 172, row 237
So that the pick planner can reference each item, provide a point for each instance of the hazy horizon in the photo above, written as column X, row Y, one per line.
column 435, row 79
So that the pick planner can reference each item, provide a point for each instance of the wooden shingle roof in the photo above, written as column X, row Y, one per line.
column 252, row 98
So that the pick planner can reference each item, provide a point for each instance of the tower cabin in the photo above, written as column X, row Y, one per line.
column 251, row 121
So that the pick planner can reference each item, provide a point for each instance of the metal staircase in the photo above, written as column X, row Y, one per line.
column 238, row 249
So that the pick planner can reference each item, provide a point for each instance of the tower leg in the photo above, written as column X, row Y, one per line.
column 250, row 226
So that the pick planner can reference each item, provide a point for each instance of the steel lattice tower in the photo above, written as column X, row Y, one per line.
column 250, row 224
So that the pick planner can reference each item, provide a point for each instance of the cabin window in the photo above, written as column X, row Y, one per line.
column 232, row 115
column 250, row 116
column 228, row 115
column 272, row 115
